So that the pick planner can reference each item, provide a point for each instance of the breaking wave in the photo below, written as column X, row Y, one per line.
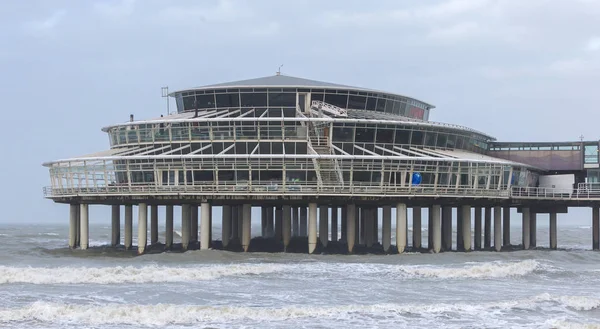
column 128, row 274
column 478, row 271
column 172, row 314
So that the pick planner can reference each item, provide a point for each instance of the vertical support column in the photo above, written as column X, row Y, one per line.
column 185, row 226
column 295, row 221
column 116, row 225
column 477, row 228
column 240, row 223
column 553, row 227
column 73, row 219
column 205, row 226
column 78, row 228
column 367, row 226
column 460, row 243
column 312, row 227
column 142, row 227
column 375, row 218
column 128, row 226
column 344, row 224
column 487, row 229
column 497, row 228
column 436, row 228
column 361, row 217
column 386, row 228
column 278, row 223
column 350, row 226
column 357, row 226
column 334, row 224
column 324, row 225
column 303, row 221
column 194, row 223
column 153, row 224
column 447, row 228
column 429, row 229
column 416, row 228
column 533, row 230
column 401, row 233
column 595, row 228
column 286, row 226
column 234, row 223
column 506, row 226
column 169, row 227
column 270, row 222
column 263, row 222
column 466, row 227
column 526, row 227
column 246, row 226
column 84, row 213
column 226, row 224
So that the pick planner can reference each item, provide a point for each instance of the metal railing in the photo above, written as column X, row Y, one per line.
column 554, row 193
column 331, row 109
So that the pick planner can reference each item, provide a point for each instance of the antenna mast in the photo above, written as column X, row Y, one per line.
column 279, row 69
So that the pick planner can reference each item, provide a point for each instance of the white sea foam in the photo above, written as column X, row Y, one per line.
column 49, row 234
column 482, row 270
column 562, row 324
column 171, row 314
column 128, row 274
column 578, row 303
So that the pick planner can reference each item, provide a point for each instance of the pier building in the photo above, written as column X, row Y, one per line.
column 320, row 159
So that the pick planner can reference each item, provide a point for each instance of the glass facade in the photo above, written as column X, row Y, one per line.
column 286, row 97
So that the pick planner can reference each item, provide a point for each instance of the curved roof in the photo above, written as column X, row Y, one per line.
column 285, row 81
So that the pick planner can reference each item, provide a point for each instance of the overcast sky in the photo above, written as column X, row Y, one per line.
column 520, row 70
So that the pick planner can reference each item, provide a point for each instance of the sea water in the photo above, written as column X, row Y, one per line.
column 43, row 284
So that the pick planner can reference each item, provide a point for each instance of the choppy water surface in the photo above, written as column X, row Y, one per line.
column 45, row 285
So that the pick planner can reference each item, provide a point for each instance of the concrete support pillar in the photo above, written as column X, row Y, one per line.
column 78, row 228
column 334, row 224
column 295, row 221
column 185, row 226
column 436, row 228
column 596, row 228
column 477, row 228
column 84, row 213
column 416, row 228
column 194, row 223
column 386, row 228
column 375, row 217
column 234, row 223
column 466, row 227
column 205, row 225
column 153, row 224
column 116, row 225
column 401, row 231
column 553, row 228
column 460, row 243
column 303, row 221
column 344, row 224
column 526, row 227
column 324, row 225
column 361, row 218
column 533, row 230
column 487, row 229
column 263, row 222
column 270, row 228
column 278, row 223
column 240, row 223
column 447, row 228
column 142, row 228
column 73, row 219
column 286, row 226
column 312, row 227
column 429, row 229
column 128, row 226
column 350, row 226
column 226, row 224
column 169, row 227
column 246, row 226
column 497, row 228
column 506, row 226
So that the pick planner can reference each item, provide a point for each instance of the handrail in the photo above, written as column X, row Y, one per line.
column 332, row 109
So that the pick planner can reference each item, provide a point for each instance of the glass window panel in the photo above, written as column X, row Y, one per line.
column 317, row 96
column 371, row 103
column 254, row 99
column 365, row 135
column 380, row 105
column 228, row 100
column 357, row 102
column 205, row 101
column 337, row 100
column 282, row 99
column 385, row 136
column 417, row 137
column 430, row 138
column 402, row 136
column 343, row 134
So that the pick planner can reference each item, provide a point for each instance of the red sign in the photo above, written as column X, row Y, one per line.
column 417, row 113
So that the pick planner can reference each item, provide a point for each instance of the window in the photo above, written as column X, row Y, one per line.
column 282, row 99
column 385, row 135
column 205, row 101
column 337, row 100
column 591, row 154
column 357, row 102
column 228, row 100
column 254, row 99
column 365, row 135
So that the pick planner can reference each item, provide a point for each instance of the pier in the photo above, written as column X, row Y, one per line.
column 326, row 167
